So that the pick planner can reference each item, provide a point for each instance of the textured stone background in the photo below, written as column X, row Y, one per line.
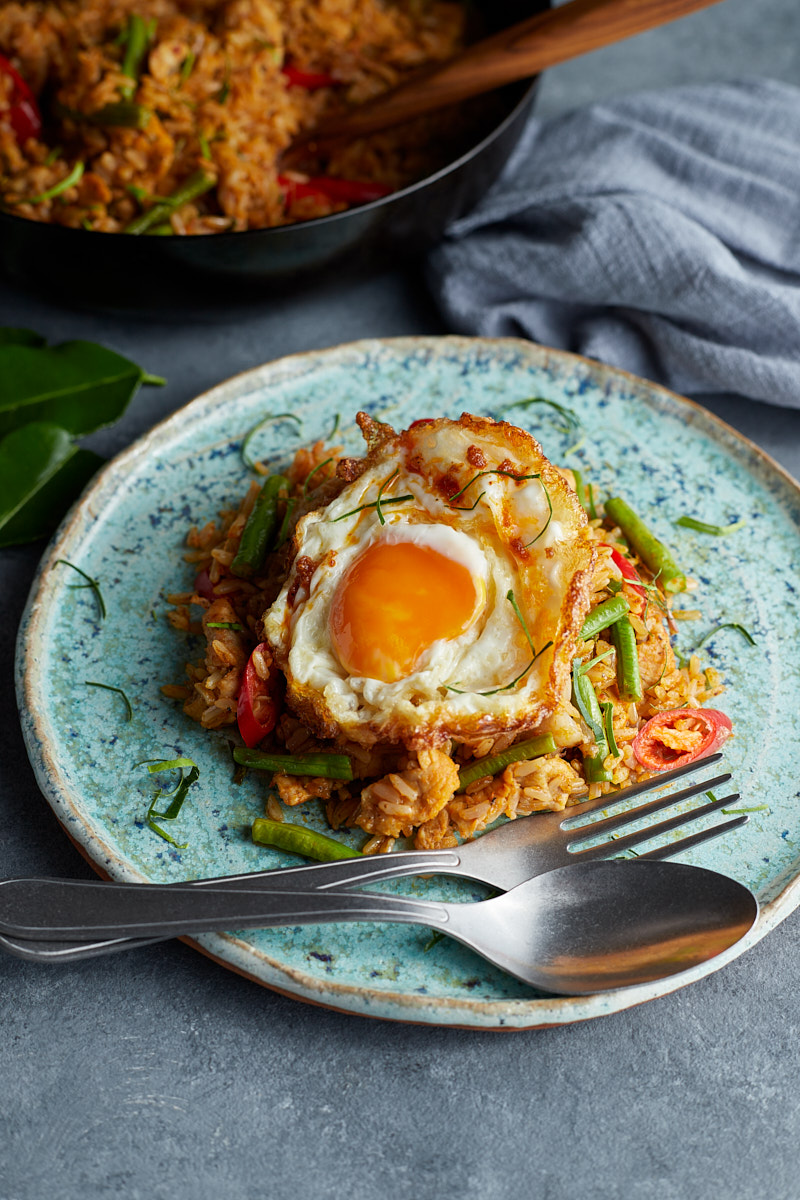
column 159, row 1074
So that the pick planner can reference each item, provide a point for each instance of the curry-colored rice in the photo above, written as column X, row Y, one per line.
column 405, row 794
column 217, row 100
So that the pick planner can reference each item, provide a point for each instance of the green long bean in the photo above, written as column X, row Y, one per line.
column 586, row 702
column 650, row 550
column 318, row 766
column 196, row 185
column 260, row 530
column 299, row 840
column 604, row 615
column 533, row 748
column 629, row 681
column 137, row 39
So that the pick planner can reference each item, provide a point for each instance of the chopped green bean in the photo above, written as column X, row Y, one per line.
column 196, row 185
column 650, row 550
column 533, row 748
column 137, row 39
column 629, row 682
column 296, row 839
column 120, row 114
column 604, row 615
column 260, row 530
column 317, row 766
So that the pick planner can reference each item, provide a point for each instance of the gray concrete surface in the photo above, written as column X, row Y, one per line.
column 160, row 1075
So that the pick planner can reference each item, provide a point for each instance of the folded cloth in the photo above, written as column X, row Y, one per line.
column 659, row 232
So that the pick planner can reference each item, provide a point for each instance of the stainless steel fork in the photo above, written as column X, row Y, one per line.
column 502, row 858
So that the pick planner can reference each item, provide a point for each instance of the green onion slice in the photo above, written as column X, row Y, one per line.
column 704, row 527
column 90, row 582
column 254, row 429
column 109, row 688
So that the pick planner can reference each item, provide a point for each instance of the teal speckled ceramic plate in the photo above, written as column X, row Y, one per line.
column 664, row 454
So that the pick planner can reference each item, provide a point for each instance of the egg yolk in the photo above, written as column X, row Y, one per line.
column 394, row 602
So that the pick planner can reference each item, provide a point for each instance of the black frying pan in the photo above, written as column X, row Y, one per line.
column 122, row 269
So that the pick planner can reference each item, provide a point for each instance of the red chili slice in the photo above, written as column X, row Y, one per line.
column 259, row 701
column 23, row 112
column 310, row 80
column 654, row 754
column 351, row 191
column 627, row 570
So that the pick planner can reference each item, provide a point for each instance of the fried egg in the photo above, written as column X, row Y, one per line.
column 440, row 594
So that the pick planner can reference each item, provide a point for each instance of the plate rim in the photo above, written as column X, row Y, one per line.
column 232, row 952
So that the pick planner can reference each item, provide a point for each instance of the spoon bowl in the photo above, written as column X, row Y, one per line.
column 603, row 925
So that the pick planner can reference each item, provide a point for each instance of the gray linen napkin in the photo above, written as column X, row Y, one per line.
column 659, row 232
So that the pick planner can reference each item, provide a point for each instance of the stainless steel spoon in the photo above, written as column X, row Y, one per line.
column 581, row 929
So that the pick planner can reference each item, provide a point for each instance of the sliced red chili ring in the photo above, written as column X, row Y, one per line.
column 654, row 754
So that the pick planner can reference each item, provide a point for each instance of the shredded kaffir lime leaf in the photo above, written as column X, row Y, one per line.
column 536, row 654
column 704, row 527
column 90, row 583
column 110, row 688
column 313, row 472
column 254, row 429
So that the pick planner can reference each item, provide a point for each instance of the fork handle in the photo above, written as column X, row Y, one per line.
column 53, row 909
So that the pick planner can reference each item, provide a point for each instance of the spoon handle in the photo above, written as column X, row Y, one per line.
column 526, row 49
column 51, row 910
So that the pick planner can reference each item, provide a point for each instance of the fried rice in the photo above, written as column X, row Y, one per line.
column 397, row 792
column 223, row 88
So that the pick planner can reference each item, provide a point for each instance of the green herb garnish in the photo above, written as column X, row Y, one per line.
column 536, row 654
column 332, row 433
column 57, row 189
column 108, row 688
column 254, row 429
column 90, row 583
column 569, row 423
column 733, row 812
column 226, row 625
column 177, row 795
column 704, row 527
column 748, row 637
column 608, row 727
column 372, row 504
column 313, row 472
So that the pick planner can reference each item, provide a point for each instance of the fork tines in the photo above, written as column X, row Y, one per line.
column 590, row 831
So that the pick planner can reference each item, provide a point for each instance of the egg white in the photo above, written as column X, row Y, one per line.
column 508, row 540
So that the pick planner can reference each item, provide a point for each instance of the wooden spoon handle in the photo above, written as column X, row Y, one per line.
column 542, row 41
